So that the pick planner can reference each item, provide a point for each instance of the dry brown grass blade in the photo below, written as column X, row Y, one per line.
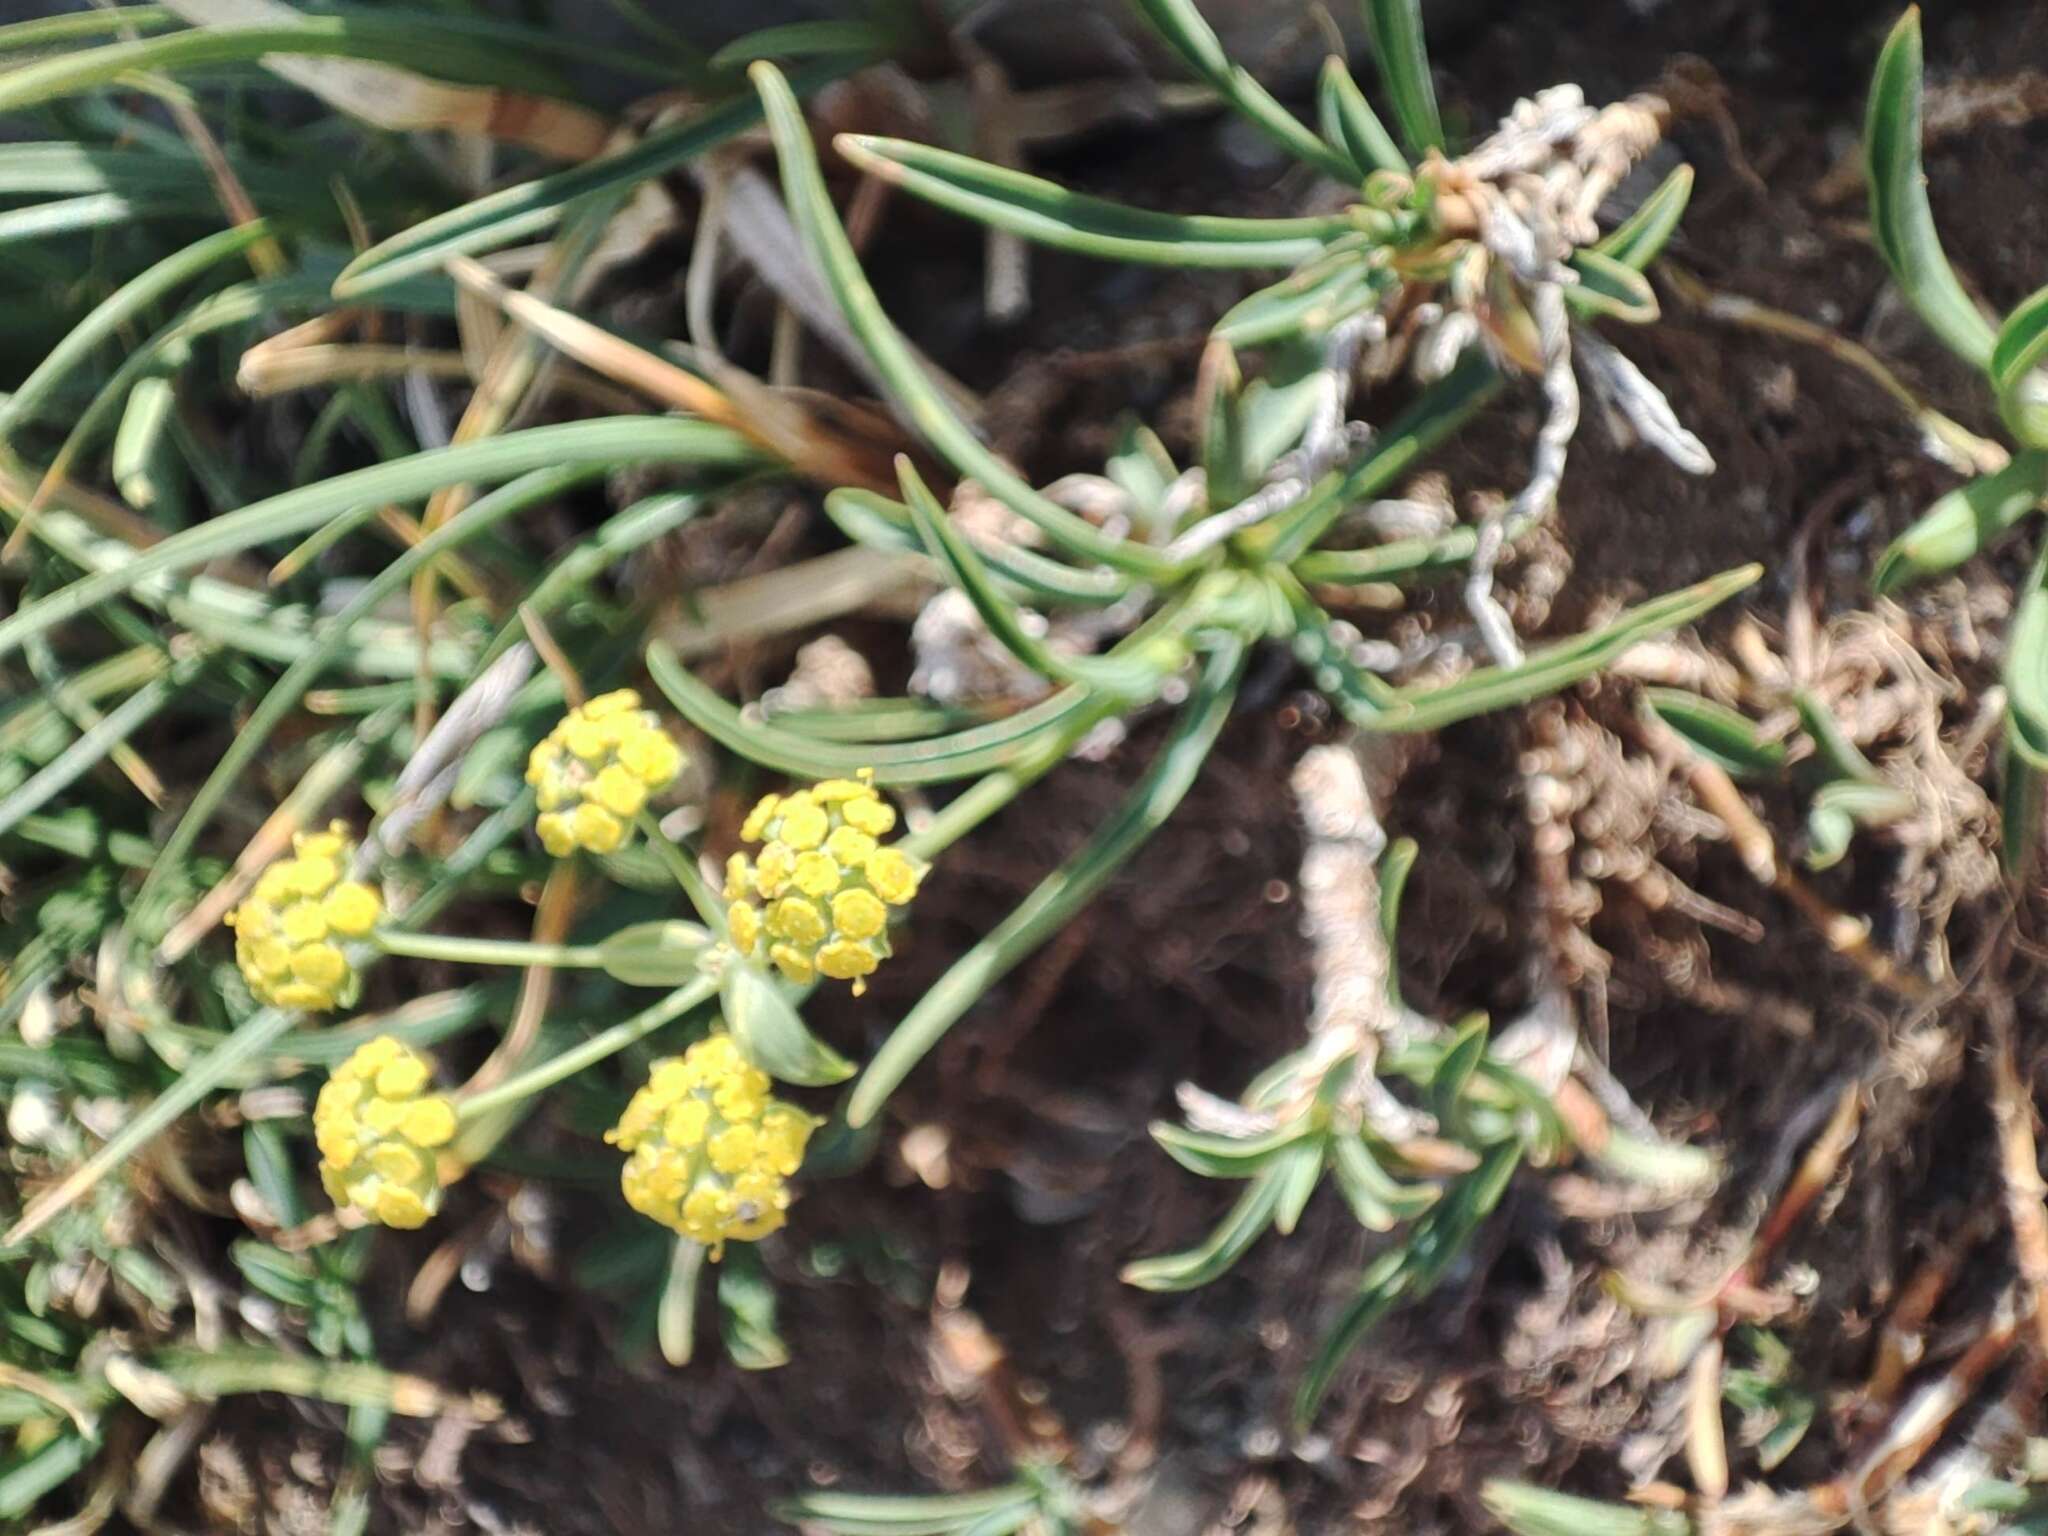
column 2026, row 1193
column 1963, row 449
column 401, row 101
column 552, row 920
column 786, row 429
column 794, row 597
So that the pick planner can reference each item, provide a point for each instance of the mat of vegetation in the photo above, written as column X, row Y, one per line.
column 1365, row 862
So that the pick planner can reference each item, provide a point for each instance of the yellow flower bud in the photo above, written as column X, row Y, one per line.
column 290, row 930
column 816, row 900
column 595, row 770
column 379, row 1130
column 708, row 1150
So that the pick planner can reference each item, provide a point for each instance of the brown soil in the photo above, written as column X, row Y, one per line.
column 1191, row 966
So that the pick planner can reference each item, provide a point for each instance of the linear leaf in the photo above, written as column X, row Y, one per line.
column 2026, row 669
column 1048, row 213
column 810, row 207
column 528, row 208
column 1556, row 666
column 606, row 441
column 1130, row 675
column 1901, row 220
column 1350, row 124
column 772, row 1034
column 1610, row 287
column 1300, row 1169
column 1181, row 24
column 1964, row 521
column 1045, row 726
column 2019, row 811
column 1388, row 561
column 1637, row 239
column 1395, row 866
column 1723, row 736
column 1063, row 893
column 1216, row 1156
column 1396, row 30
column 1311, row 300
column 870, row 518
column 1233, row 1237
column 2016, row 362
column 1527, row 1510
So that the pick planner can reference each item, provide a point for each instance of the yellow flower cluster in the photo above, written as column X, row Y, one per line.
column 710, row 1150
column 378, row 1127
column 289, row 932
column 596, row 769
column 817, row 899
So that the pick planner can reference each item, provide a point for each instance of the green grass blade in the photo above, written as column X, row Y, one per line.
column 935, row 760
column 1527, row 1510
column 1063, row 893
column 107, row 21
column 1233, row 1237
column 1396, row 30
column 1388, row 561
column 1638, row 239
column 1962, row 523
column 1216, row 1156
column 416, row 43
column 2016, row 360
column 870, row 518
column 1443, row 408
column 1182, row 25
column 479, row 517
column 1611, row 288
column 1902, row 222
column 607, row 441
column 858, row 40
column 92, row 747
column 1129, row 676
column 2026, row 669
column 119, row 310
column 1557, row 666
column 1350, row 124
column 810, row 206
column 1048, row 213
column 1723, row 736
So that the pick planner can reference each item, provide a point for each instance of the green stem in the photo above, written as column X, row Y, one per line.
column 683, row 866
column 439, row 946
column 989, row 794
column 599, row 1046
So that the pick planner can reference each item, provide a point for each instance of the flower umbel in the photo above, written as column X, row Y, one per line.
column 378, row 1127
column 816, row 901
column 710, row 1150
column 290, row 930
column 595, row 770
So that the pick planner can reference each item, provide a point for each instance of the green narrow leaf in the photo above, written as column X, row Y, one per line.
column 1046, row 212
column 1185, row 31
column 1964, row 522
column 1395, row 866
column 2016, row 363
column 1557, row 666
column 1215, row 1156
column 663, row 953
column 1245, row 1223
column 417, row 42
column 1300, row 1169
column 120, row 309
column 1063, row 893
column 27, row 1476
column 1129, row 676
column 1611, row 288
column 882, row 1514
column 1638, row 239
column 675, row 1314
column 1389, row 561
column 1396, row 30
column 1350, row 124
column 2026, row 668
column 608, row 442
column 1308, row 302
column 529, row 208
column 746, row 1311
column 1530, row 1511
column 1454, row 1073
column 2019, row 812
column 1901, row 220
column 861, row 41
column 1723, row 736
column 1378, row 1199
column 810, row 207
column 771, row 1033
column 870, row 518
